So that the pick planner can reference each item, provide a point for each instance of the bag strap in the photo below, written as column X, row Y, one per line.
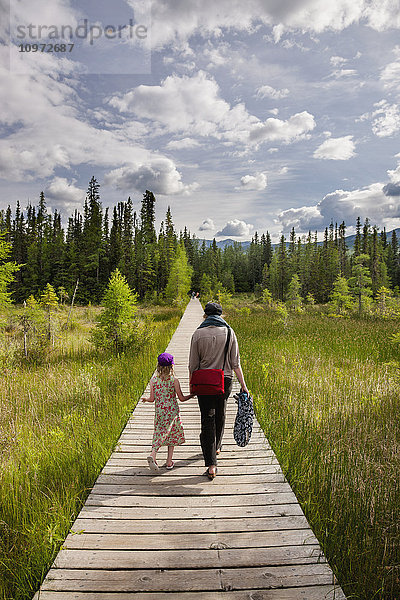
column 228, row 338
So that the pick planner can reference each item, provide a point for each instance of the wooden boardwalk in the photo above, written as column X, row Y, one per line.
column 179, row 535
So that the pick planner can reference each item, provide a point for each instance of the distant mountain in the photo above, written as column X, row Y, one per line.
column 228, row 242
column 349, row 241
column 351, row 238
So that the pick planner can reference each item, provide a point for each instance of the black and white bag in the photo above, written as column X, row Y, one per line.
column 244, row 419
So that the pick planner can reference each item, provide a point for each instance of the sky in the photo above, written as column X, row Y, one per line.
column 240, row 116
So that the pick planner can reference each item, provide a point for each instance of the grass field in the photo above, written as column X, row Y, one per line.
column 60, row 418
column 326, row 393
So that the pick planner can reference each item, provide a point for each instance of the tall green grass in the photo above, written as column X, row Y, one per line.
column 326, row 392
column 59, row 422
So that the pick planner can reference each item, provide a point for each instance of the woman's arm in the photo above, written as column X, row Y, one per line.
column 151, row 399
column 179, row 393
column 239, row 375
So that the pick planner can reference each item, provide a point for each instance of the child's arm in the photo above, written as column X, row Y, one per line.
column 179, row 393
column 151, row 398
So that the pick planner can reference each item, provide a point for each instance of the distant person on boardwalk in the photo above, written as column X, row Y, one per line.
column 207, row 352
column 168, row 430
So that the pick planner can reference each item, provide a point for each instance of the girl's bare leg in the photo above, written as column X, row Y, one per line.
column 169, row 455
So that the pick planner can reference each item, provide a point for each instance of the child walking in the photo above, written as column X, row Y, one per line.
column 168, row 430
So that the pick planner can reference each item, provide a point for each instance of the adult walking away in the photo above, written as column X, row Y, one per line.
column 207, row 351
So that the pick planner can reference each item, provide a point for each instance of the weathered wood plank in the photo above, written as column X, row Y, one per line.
column 319, row 592
column 243, row 502
column 189, row 559
column 177, row 580
column 127, row 511
column 188, row 526
column 201, row 541
column 117, row 467
column 176, row 478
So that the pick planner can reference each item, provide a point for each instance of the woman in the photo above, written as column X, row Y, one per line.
column 207, row 352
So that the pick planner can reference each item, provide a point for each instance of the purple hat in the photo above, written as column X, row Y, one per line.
column 165, row 359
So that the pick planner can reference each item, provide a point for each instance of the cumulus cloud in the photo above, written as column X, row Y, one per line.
column 372, row 201
column 159, row 175
column 193, row 105
column 341, row 148
column 295, row 128
column 207, row 225
column 187, row 104
column 253, row 182
column 385, row 119
column 236, row 228
column 266, row 91
column 391, row 189
column 60, row 193
column 177, row 21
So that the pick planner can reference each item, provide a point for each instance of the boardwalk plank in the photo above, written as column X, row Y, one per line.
column 319, row 592
column 203, row 541
column 188, row 526
column 188, row 559
column 177, row 580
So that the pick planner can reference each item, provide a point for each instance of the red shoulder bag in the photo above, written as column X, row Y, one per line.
column 209, row 382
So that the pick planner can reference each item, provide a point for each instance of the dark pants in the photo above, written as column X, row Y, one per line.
column 213, row 409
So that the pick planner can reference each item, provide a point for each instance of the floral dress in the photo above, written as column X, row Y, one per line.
column 168, row 430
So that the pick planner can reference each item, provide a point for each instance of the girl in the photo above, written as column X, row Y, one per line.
column 168, row 430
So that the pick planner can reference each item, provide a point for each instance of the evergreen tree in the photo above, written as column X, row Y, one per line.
column 378, row 267
column 341, row 299
column 91, row 244
column 128, row 259
column 293, row 298
column 115, row 321
column 357, row 241
column 180, row 277
column 49, row 300
column 360, row 282
column 7, row 270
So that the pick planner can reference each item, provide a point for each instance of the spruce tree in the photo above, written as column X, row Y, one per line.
column 180, row 277
column 360, row 282
column 341, row 299
column 7, row 270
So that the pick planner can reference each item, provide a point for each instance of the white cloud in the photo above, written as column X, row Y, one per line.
column 207, row 225
column 372, row 201
column 193, row 105
column 295, row 128
column 266, row 91
column 62, row 194
column 385, row 119
column 236, row 228
column 338, row 61
column 177, row 21
column 341, row 148
column 159, row 175
column 189, row 105
column 302, row 219
column 342, row 73
column 184, row 143
column 253, row 182
column 394, row 174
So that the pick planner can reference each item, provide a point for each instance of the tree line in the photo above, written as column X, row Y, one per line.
column 168, row 265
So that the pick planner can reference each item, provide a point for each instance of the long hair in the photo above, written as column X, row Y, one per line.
column 165, row 370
